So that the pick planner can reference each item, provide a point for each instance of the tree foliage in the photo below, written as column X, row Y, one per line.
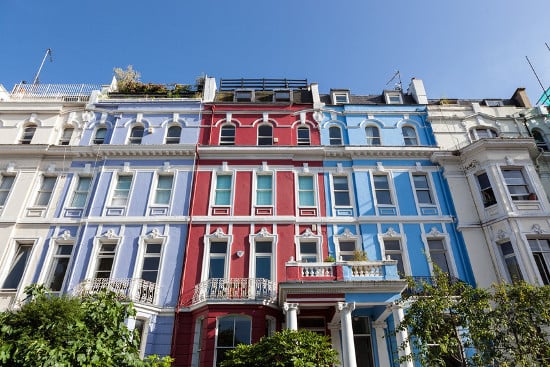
column 128, row 82
column 451, row 323
column 66, row 332
column 288, row 348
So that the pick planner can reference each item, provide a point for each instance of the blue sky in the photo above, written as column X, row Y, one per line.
column 461, row 49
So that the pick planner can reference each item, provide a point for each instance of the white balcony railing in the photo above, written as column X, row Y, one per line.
column 136, row 290
column 312, row 270
column 234, row 289
column 54, row 92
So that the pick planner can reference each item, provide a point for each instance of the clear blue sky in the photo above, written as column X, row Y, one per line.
column 461, row 49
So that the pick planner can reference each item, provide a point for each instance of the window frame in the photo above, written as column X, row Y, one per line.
column 443, row 239
column 540, row 139
column 390, row 96
column 134, row 139
column 487, row 194
column 309, row 238
column 43, row 190
column 230, row 139
column 262, row 139
column 524, row 184
column 335, row 140
column 158, row 189
column 235, row 318
column 301, row 140
column 4, row 198
column 171, row 138
column 102, row 139
column 340, row 97
column 258, row 191
column 9, row 267
column 28, row 133
column 217, row 190
column 105, row 254
column 217, row 236
column 55, row 259
column 389, row 190
column 392, row 235
column 408, row 139
column 243, row 95
column 263, row 236
column 81, row 193
column 374, row 140
column 490, row 132
column 312, row 191
column 541, row 257
column 427, row 189
column 506, row 266
column 347, row 190
column 282, row 95
column 64, row 139
column 113, row 194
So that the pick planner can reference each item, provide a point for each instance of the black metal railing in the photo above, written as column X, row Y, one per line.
column 262, row 84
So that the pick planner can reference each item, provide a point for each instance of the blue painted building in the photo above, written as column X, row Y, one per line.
column 388, row 214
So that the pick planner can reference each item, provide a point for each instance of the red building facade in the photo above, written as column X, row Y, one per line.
column 257, row 203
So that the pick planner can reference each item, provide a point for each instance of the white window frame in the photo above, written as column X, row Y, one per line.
column 429, row 189
column 373, row 141
column 525, row 183
column 491, row 133
column 333, row 191
column 273, row 188
column 63, row 240
column 314, row 190
column 114, row 184
column 144, row 334
column 242, row 316
column 347, row 236
column 27, row 137
column 217, row 236
column 156, row 191
column 133, row 140
column 545, row 257
column 390, row 189
column 42, row 190
column 265, row 137
column 390, row 235
column 76, row 192
column 9, row 190
column 489, row 199
column 198, row 335
column 214, row 188
column 66, row 140
column 282, row 95
column 227, row 141
column 435, row 235
column 308, row 237
column 340, row 97
column 9, row 259
column 173, row 139
column 303, row 141
column 502, row 259
column 103, row 140
column 108, row 238
column 333, row 140
column 263, row 236
column 409, row 139
column 390, row 97
column 244, row 95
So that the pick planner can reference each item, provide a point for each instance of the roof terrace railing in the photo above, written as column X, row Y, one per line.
column 262, row 84
column 54, row 92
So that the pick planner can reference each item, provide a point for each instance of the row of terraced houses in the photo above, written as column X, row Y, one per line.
column 255, row 205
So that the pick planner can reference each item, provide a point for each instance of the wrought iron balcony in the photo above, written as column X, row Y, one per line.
column 222, row 289
column 54, row 92
column 135, row 290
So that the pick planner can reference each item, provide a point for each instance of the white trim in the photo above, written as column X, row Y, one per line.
column 263, row 236
column 108, row 237
column 392, row 234
column 308, row 237
column 346, row 236
column 434, row 234
column 217, row 236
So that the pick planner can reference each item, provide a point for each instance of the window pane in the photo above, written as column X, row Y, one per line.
column 263, row 267
column 217, row 268
column 263, row 247
column 100, row 135
column 17, row 268
column 305, row 191
column 218, row 248
column 347, row 245
column 173, row 135
column 5, row 187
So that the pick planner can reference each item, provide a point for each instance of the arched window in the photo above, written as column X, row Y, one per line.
column 173, row 135
column 227, row 135
column 136, row 135
column 66, row 136
column 483, row 133
column 303, row 135
column 28, row 134
column 373, row 135
column 100, row 134
column 335, row 135
column 409, row 135
column 265, row 134
column 540, row 140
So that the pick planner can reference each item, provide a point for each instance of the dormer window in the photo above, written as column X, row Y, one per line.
column 281, row 96
column 340, row 96
column 393, row 97
column 244, row 95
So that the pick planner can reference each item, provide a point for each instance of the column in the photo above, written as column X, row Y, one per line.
column 401, row 335
column 347, row 334
column 291, row 312
column 335, row 340
column 381, row 345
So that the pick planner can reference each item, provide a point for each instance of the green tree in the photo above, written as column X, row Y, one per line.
column 288, row 348
column 66, row 331
column 451, row 323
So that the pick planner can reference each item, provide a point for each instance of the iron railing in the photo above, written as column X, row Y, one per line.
column 136, row 290
column 262, row 84
column 54, row 92
column 222, row 289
